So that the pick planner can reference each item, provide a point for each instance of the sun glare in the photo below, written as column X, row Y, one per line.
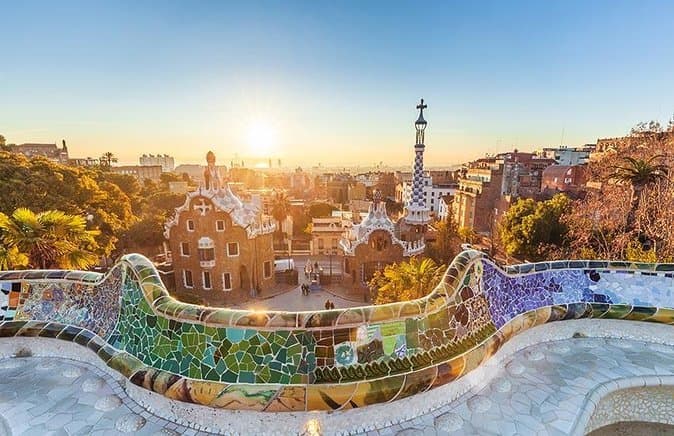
column 262, row 140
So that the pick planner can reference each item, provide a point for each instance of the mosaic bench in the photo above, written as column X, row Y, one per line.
column 323, row 360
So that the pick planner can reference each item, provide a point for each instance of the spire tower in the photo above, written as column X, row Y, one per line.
column 416, row 212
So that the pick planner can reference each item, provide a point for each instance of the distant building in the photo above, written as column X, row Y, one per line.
column 326, row 233
column 194, row 171
column 140, row 172
column 445, row 206
column 386, row 184
column 564, row 178
column 432, row 192
column 50, row 151
column 490, row 185
column 166, row 162
column 357, row 191
column 221, row 246
column 478, row 194
column 83, row 162
column 178, row 187
column 568, row 155
column 337, row 189
column 300, row 182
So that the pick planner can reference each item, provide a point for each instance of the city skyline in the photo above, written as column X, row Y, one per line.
column 336, row 85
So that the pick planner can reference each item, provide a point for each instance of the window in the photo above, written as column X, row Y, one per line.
column 220, row 225
column 227, row 281
column 320, row 243
column 184, row 248
column 187, row 278
column 206, row 254
column 206, row 276
column 267, row 269
column 233, row 249
column 334, row 243
column 190, row 225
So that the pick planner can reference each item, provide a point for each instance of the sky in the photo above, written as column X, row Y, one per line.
column 334, row 83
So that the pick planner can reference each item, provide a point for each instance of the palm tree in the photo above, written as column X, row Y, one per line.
column 11, row 258
column 280, row 208
column 107, row 159
column 406, row 280
column 639, row 173
column 51, row 239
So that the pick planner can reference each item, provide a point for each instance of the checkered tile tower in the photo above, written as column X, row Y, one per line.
column 416, row 211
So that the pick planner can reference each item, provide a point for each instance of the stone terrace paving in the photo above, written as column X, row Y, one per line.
column 539, row 389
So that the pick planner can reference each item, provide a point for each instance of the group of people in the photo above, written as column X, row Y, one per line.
column 329, row 305
column 305, row 289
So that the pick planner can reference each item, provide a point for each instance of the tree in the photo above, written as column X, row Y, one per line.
column 406, row 281
column 468, row 235
column 50, row 239
column 638, row 174
column 11, row 258
column 43, row 185
column 320, row 210
column 447, row 242
column 107, row 159
column 531, row 228
column 280, row 208
column 631, row 216
column 144, row 233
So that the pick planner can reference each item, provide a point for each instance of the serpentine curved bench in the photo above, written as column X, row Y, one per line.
column 323, row 360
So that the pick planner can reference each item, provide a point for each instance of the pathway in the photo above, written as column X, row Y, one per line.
column 294, row 301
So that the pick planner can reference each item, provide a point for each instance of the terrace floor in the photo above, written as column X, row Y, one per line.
column 293, row 300
column 539, row 390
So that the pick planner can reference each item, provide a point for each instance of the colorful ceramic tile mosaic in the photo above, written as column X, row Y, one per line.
column 324, row 360
column 94, row 307
column 10, row 293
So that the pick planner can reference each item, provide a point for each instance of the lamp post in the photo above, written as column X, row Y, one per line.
column 331, row 253
column 255, row 266
column 254, row 282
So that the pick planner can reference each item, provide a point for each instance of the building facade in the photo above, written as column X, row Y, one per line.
column 371, row 245
column 564, row 178
column 166, row 162
column 431, row 192
column 140, row 172
column 222, row 248
column 326, row 233
column 490, row 185
column 568, row 155
column 445, row 207
column 50, row 151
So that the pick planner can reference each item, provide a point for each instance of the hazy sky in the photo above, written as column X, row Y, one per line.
column 331, row 82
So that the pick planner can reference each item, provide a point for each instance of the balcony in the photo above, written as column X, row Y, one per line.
column 207, row 263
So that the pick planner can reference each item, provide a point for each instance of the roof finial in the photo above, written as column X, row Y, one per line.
column 421, row 106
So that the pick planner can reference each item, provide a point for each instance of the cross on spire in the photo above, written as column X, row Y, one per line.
column 202, row 207
column 421, row 106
